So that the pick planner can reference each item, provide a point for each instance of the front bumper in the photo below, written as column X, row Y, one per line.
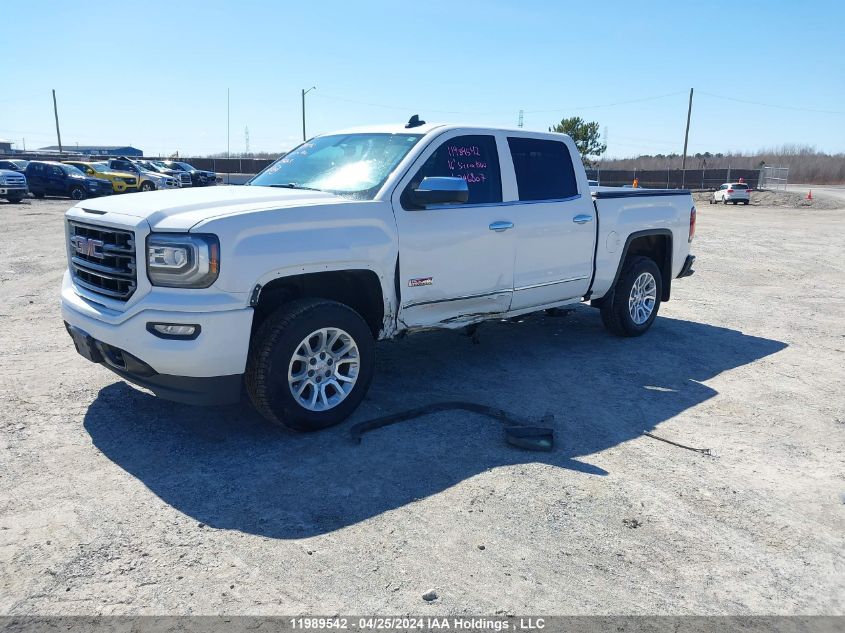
column 205, row 370
column 212, row 390
column 122, row 187
column 13, row 191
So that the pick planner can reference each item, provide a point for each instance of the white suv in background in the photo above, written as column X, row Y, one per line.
column 735, row 192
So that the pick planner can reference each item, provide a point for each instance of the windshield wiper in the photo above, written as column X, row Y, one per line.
column 293, row 185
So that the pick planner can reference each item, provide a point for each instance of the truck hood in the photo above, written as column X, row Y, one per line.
column 180, row 209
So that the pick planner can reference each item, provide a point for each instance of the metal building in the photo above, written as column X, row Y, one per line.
column 97, row 150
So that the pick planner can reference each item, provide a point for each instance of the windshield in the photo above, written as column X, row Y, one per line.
column 354, row 165
column 100, row 166
column 72, row 171
column 184, row 166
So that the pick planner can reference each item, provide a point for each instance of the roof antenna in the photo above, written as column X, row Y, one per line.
column 414, row 121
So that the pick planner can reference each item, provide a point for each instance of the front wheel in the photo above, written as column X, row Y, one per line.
column 632, row 306
column 310, row 364
column 14, row 199
column 147, row 186
column 77, row 193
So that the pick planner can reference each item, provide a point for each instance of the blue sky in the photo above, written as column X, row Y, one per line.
column 155, row 74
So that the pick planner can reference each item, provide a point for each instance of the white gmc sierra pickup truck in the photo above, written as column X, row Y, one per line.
column 284, row 285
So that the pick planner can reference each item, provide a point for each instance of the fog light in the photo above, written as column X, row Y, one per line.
column 174, row 330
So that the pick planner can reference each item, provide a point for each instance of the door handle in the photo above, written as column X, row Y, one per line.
column 582, row 219
column 501, row 225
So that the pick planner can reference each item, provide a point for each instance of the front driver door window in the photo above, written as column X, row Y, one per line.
column 455, row 261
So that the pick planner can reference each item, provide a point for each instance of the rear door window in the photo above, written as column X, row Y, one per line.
column 543, row 169
column 473, row 158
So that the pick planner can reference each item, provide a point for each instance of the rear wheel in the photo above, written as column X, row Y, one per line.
column 147, row 186
column 310, row 364
column 38, row 194
column 746, row 202
column 632, row 306
column 724, row 200
column 77, row 193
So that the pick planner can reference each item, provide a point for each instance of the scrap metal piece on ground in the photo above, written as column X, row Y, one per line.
column 517, row 432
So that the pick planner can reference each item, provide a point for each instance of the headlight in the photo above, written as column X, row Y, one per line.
column 2, row 180
column 118, row 179
column 177, row 260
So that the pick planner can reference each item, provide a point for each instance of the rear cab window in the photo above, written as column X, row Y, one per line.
column 471, row 157
column 739, row 185
column 543, row 169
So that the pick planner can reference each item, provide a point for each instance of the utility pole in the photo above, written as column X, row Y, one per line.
column 227, row 123
column 519, row 124
column 686, row 140
column 246, row 140
column 56, row 113
column 305, row 92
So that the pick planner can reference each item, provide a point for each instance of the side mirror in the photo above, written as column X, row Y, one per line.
column 440, row 190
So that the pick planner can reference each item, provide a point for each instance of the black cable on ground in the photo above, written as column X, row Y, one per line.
column 703, row 451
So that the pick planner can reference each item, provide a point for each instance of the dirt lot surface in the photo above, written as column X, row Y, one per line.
column 115, row 502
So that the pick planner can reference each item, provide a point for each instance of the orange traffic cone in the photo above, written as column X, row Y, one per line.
column 810, row 195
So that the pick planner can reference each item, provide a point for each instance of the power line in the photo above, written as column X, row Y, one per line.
column 771, row 105
column 499, row 112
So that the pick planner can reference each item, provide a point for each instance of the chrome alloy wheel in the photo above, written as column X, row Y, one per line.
column 642, row 298
column 324, row 369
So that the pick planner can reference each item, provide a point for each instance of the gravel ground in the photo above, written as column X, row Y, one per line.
column 114, row 502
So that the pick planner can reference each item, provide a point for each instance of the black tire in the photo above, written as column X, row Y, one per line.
column 38, row 194
column 147, row 186
column 614, row 309
column 724, row 200
column 15, row 199
column 77, row 193
column 746, row 202
column 272, row 349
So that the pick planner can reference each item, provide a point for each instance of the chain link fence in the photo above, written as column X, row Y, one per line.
column 774, row 178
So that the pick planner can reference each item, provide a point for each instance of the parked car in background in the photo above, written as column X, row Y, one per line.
column 12, row 185
column 147, row 180
column 199, row 177
column 734, row 192
column 49, row 178
column 13, row 164
column 183, row 177
column 121, row 181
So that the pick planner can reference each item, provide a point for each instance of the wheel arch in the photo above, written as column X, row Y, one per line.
column 656, row 244
column 358, row 288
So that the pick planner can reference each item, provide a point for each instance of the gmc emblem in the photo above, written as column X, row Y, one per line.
column 87, row 246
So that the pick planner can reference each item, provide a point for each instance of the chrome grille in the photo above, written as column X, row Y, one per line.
column 186, row 178
column 103, row 260
column 15, row 181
